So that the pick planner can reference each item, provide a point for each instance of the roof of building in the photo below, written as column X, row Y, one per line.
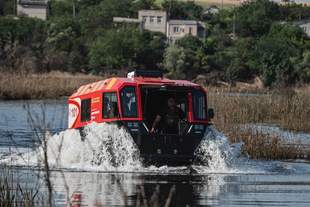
column 152, row 11
column 33, row 2
column 125, row 19
column 183, row 22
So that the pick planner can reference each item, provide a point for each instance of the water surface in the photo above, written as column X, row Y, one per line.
column 84, row 168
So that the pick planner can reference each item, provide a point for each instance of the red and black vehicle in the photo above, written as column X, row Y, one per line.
column 134, row 102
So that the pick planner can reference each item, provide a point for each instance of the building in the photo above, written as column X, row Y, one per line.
column 153, row 20
column 305, row 25
column 33, row 8
column 177, row 29
column 157, row 21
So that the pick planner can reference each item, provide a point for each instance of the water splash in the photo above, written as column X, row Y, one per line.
column 216, row 153
column 103, row 147
column 107, row 147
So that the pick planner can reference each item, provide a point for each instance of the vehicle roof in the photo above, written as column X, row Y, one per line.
column 116, row 82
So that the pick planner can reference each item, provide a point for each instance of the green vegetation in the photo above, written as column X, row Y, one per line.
column 256, row 39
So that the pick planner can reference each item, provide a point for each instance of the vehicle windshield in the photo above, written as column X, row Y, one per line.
column 155, row 102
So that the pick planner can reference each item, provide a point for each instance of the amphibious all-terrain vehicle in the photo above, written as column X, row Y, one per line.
column 134, row 103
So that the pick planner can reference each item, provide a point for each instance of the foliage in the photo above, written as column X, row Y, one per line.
column 182, row 9
column 303, row 67
column 274, row 54
column 186, row 58
column 294, row 12
column 254, row 18
column 61, row 8
column 95, row 19
column 144, row 4
column 174, row 61
column 151, row 54
column 8, row 7
column 256, row 39
column 127, row 47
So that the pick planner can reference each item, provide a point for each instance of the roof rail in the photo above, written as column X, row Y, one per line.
column 145, row 73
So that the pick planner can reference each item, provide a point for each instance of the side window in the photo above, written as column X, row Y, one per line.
column 110, row 106
column 182, row 104
column 85, row 110
column 129, row 101
column 199, row 105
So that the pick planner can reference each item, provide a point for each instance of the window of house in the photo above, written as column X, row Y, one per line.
column 152, row 19
column 175, row 29
column 190, row 30
column 85, row 110
column 110, row 105
column 159, row 19
column 129, row 103
column 144, row 18
column 199, row 105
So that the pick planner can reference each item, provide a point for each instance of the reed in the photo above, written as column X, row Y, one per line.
column 53, row 85
column 289, row 110
column 267, row 146
column 15, row 194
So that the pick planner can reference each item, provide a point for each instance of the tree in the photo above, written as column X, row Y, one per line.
column 254, row 18
column 272, row 57
column 182, row 10
column 95, row 19
column 17, row 36
column 60, row 8
column 151, row 54
column 290, row 33
column 174, row 61
column 144, row 4
column 190, row 52
column 302, row 67
column 116, row 49
column 63, row 33
column 190, row 42
column 294, row 12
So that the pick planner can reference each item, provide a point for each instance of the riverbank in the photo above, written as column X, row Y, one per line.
column 54, row 85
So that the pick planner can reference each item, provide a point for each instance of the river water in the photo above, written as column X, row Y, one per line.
column 90, row 172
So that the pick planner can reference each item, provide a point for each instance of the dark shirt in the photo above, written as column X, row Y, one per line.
column 170, row 119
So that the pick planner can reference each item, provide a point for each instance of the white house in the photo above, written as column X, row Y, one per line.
column 33, row 8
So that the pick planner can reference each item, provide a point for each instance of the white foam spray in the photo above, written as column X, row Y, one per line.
column 216, row 153
column 105, row 147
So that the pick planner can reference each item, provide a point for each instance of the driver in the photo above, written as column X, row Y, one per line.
column 169, row 117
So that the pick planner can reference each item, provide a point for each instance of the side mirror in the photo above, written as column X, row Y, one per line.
column 210, row 113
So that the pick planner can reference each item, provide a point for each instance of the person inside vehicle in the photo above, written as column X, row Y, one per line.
column 170, row 118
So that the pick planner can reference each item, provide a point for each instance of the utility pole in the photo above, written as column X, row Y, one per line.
column 14, row 7
column 234, row 22
column 73, row 8
column 169, row 10
column 1, row 7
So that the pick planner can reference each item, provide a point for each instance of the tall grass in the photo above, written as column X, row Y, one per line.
column 15, row 194
column 41, row 86
column 290, row 111
column 267, row 146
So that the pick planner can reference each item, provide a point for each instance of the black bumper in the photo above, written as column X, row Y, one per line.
column 164, row 149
